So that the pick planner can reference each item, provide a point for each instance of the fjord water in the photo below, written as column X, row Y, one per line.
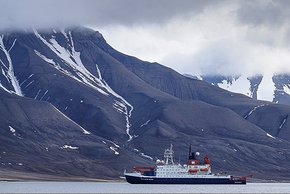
column 121, row 187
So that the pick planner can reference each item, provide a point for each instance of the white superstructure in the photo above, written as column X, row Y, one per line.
column 167, row 167
column 168, row 172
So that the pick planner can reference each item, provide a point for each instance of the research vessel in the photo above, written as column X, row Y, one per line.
column 194, row 172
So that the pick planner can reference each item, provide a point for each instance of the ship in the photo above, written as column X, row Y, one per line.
column 193, row 172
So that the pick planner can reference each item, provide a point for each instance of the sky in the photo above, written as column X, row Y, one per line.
column 191, row 36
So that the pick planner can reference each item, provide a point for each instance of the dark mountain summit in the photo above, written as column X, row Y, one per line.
column 101, row 111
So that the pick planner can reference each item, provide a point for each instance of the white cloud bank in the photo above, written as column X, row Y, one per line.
column 220, row 39
column 197, row 37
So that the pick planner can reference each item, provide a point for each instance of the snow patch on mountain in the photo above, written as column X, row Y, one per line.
column 69, row 147
column 26, row 79
column 142, row 154
column 122, row 105
column 116, row 145
column 198, row 77
column 266, row 88
column 286, row 88
column 12, row 130
column 146, row 156
column 44, row 94
column 58, row 67
column 113, row 147
column 283, row 123
column 10, row 71
column 114, row 150
column 270, row 136
column 72, row 59
column 240, row 84
column 84, row 131
column 38, row 92
column 146, row 123
column 253, row 110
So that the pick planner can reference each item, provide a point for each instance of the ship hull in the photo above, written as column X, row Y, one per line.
column 157, row 180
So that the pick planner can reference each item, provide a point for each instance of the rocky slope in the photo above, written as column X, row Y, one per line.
column 104, row 111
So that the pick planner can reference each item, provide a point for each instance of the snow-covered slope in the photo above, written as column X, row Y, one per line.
column 7, row 68
column 58, row 50
column 239, row 84
column 73, row 67
column 269, row 87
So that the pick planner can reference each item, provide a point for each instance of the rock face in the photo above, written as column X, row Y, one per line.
column 74, row 106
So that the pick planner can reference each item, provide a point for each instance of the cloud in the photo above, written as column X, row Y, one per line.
column 236, row 37
column 201, row 36
column 61, row 13
column 270, row 13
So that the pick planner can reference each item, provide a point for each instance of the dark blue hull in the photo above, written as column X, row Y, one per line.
column 155, row 180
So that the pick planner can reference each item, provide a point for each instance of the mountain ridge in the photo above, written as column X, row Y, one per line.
column 255, row 86
column 137, row 108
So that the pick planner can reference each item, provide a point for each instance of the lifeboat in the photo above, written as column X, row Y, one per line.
column 204, row 169
column 206, row 160
column 143, row 168
column 192, row 170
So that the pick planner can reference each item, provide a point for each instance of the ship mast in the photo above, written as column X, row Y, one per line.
column 168, row 155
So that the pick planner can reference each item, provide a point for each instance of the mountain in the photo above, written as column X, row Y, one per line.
column 38, row 138
column 274, row 88
column 102, row 111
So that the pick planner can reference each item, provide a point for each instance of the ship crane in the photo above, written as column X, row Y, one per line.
column 168, row 155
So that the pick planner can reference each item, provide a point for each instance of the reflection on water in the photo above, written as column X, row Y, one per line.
column 117, row 187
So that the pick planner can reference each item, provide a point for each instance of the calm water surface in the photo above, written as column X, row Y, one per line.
column 113, row 187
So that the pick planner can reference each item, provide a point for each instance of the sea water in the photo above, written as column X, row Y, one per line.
column 121, row 187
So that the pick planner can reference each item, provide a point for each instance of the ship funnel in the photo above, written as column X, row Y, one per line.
column 191, row 155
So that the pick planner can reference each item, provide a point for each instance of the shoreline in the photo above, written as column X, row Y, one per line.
column 16, row 176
